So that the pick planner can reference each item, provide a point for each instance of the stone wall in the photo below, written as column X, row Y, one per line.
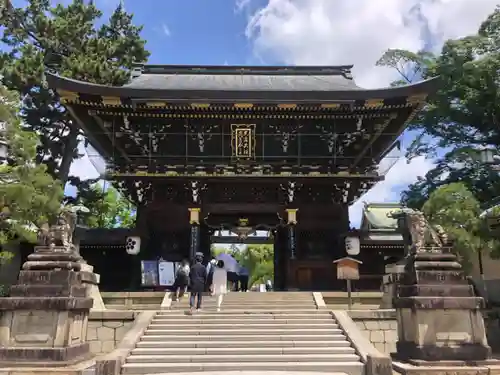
column 107, row 328
column 379, row 326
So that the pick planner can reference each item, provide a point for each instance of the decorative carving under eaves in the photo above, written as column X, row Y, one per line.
column 346, row 140
column 291, row 189
column 286, row 133
column 328, row 135
column 144, row 191
column 343, row 189
column 157, row 136
column 201, row 132
column 195, row 187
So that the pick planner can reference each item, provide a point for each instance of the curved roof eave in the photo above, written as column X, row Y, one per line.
column 57, row 82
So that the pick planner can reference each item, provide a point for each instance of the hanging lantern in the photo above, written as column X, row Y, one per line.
column 133, row 245
column 352, row 245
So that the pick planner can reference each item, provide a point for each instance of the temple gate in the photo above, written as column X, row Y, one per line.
column 280, row 149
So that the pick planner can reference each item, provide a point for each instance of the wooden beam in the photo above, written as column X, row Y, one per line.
column 253, row 240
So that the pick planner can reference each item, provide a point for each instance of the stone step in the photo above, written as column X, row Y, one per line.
column 192, row 320
column 167, row 343
column 270, row 306
column 245, row 325
column 217, row 358
column 267, row 310
column 241, row 331
column 134, row 307
column 318, row 314
column 254, row 306
column 214, row 350
column 221, row 336
column 331, row 367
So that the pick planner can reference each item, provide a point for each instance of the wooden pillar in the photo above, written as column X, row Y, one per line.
column 280, row 259
column 292, row 239
column 194, row 222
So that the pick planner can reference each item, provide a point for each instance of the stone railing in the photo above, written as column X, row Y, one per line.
column 378, row 326
column 133, row 300
column 107, row 328
column 375, row 361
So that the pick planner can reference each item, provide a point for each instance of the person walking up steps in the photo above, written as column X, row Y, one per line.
column 181, row 279
column 198, row 279
column 219, row 286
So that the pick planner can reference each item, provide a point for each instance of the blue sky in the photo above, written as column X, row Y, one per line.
column 302, row 32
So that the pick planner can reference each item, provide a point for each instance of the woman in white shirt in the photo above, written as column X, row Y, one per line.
column 219, row 283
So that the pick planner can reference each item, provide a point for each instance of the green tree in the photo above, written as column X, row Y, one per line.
column 455, row 208
column 29, row 196
column 462, row 116
column 108, row 208
column 259, row 261
column 65, row 38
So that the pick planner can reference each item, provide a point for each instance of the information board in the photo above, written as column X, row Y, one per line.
column 149, row 272
column 166, row 273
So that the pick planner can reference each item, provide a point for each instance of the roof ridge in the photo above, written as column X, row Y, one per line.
column 342, row 70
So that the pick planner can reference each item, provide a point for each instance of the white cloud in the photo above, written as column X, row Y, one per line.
column 165, row 29
column 327, row 32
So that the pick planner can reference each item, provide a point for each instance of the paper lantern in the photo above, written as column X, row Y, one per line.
column 133, row 245
column 352, row 245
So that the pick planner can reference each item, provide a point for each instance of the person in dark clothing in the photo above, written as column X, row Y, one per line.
column 243, row 276
column 181, row 279
column 198, row 280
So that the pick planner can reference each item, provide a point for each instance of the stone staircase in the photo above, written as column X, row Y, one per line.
column 252, row 332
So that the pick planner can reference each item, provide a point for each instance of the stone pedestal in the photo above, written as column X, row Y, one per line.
column 438, row 315
column 92, row 285
column 44, row 321
column 389, row 283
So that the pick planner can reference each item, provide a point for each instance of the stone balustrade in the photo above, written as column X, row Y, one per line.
column 107, row 328
column 379, row 326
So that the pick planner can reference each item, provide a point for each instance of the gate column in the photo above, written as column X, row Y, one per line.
column 194, row 222
column 292, row 239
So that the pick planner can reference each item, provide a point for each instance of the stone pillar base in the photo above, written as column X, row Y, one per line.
column 56, row 357
column 44, row 322
column 439, row 317
column 92, row 284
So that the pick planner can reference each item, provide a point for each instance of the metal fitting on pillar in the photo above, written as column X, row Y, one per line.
column 292, row 216
column 194, row 216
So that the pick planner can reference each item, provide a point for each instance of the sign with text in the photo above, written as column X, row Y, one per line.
column 166, row 273
column 243, row 141
column 347, row 268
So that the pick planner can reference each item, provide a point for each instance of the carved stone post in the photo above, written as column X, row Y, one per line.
column 194, row 222
column 44, row 321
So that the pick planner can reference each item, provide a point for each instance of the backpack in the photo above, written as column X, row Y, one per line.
column 183, row 271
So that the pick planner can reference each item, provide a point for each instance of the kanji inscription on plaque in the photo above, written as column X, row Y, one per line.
column 243, row 141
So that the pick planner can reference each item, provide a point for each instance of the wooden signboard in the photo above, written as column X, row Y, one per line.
column 493, row 224
column 347, row 268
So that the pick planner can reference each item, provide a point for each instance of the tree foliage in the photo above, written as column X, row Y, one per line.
column 257, row 259
column 462, row 116
column 67, row 39
column 108, row 208
column 29, row 196
column 457, row 210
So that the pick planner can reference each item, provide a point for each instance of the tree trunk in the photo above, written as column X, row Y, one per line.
column 68, row 156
